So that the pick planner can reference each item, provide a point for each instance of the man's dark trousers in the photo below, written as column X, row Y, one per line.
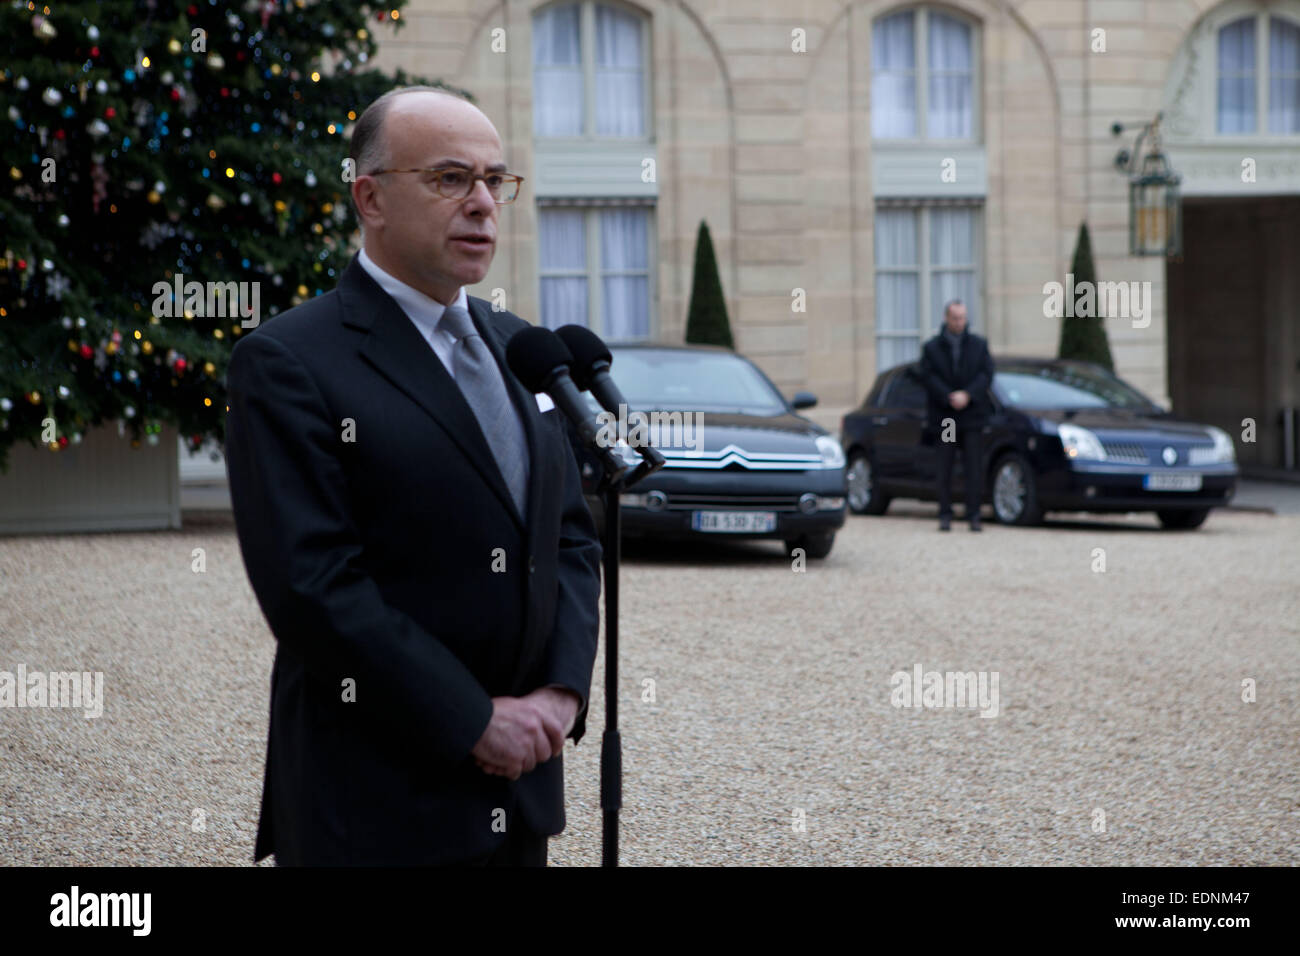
column 969, row 440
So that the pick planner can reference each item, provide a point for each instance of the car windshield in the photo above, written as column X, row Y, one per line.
column 693, row 381
column 1065, row 386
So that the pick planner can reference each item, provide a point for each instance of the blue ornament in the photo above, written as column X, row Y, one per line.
column 128, row 75
column 256, row 127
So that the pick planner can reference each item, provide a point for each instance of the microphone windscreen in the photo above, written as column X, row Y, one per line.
column 533, row 354
column 587, row 349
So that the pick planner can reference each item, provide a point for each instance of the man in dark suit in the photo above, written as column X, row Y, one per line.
column 412, row 523
column 957, row 370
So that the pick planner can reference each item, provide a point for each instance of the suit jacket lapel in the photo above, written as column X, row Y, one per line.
column 397, row 350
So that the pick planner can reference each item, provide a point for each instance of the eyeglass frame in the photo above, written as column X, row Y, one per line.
column 474, row 179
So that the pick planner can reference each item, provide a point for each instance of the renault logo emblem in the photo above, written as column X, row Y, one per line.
column 1168, row 455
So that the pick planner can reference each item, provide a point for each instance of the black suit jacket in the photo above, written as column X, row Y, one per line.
column 974, row 375
column 373, row 522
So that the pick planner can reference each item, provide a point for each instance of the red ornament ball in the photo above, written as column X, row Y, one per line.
column 63, row 441
column 275, row 178
column 181, row 365
column 94, row 51
column 175, row 94
column 86, row 351
column 110, row 112
column 60, row 134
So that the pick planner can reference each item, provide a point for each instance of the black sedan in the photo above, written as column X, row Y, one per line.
column 741, row 462
column 1063, row 436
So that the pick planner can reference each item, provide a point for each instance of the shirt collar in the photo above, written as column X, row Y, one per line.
column 424, row 311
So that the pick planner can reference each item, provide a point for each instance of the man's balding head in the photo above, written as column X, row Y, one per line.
column 369, row 148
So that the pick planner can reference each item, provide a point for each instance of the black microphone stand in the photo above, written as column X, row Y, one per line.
column 611, row 745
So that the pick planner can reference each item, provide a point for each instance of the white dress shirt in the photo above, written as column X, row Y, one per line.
column 425, row 313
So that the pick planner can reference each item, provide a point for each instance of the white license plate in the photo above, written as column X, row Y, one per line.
column 735, row 522
column 1172, row 482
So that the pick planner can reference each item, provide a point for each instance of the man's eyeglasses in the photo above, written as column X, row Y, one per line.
column 453, row 183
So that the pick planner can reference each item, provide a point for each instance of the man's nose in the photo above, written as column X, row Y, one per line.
column 480, row 198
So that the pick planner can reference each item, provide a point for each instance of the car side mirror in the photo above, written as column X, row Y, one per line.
column 803, row 400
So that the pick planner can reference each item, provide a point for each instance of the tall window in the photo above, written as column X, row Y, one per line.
column 926, row 255
column 595, row 268
column 922, row 77
column 589, row 72
column 1258, row 76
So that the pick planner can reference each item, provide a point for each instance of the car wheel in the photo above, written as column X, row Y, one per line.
column 1015, row 491
column 1182, row 519
column 864, row 497
column 814, row 545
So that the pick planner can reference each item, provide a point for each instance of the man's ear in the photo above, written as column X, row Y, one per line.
column 365, row 199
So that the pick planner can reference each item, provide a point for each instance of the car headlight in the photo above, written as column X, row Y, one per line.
column 1224, row 450
column 1080, row 443
column 830, row 451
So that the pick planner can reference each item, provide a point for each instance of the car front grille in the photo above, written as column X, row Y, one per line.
column 685, row 502
column 1134, row 453
column 1125, row 452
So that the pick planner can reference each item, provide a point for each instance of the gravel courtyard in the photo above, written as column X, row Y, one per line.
column 756, row 708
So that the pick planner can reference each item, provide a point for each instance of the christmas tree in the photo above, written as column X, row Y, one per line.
column 176, row 173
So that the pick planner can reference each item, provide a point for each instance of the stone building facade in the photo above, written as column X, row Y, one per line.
column 860, row 161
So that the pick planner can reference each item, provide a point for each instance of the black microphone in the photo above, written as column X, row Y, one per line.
column 591, row 364
column 541, row 361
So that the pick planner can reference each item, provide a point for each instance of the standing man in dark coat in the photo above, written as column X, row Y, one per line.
column 413, row 526
column 957, row 370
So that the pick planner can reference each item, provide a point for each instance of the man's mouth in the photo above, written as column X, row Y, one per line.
column 478, row 241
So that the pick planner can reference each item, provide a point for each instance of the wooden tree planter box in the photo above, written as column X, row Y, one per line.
column 99, row 484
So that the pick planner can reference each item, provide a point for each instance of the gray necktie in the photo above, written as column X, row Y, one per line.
column 480, row 381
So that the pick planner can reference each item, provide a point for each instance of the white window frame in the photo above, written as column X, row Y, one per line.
column 929, row 318
column 587, row 47
column 921, row 37
column 1227, row 16
column 594, row 271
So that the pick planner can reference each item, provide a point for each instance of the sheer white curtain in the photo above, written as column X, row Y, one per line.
column 620, row 76
column 952, row 262
column 893, row 76
column 557, row 72
column 949, row 102
column 1236, row 95
column 562, row 253
column 1283, row 76
column 625, row 273
column 898, row 286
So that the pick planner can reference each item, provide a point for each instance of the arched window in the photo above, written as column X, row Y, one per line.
column 1258, row 76
column 590, row 76
column 923, row 76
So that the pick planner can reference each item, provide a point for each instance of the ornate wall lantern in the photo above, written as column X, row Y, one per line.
column 1154, row 201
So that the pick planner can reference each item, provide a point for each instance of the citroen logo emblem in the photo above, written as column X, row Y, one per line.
column 1168, row 455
